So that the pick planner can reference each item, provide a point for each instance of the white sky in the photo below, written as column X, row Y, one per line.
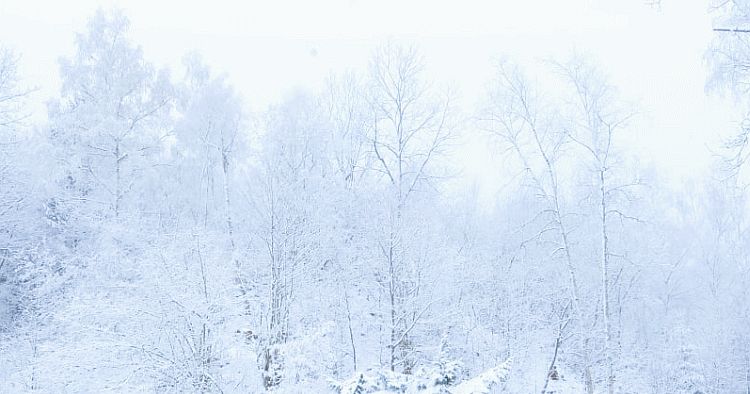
column 266, row 47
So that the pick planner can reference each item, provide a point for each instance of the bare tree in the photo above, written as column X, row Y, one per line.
column 12, row 101
column 347, row 110
column 535, row 136
column 514, row 116
column 729, row 61
column 292, row 177
column 17, row 198
column 12, row 94
column 597, row 122
column 410, row 128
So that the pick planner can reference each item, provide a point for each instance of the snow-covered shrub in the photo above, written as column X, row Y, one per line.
column 427, row 381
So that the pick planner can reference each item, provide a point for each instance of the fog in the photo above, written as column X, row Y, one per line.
column 359, row 197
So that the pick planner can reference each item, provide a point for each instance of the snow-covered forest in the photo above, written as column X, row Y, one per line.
column 160, row 234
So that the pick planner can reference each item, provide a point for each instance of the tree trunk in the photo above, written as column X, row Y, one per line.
column 118, row 178
column 605, row 285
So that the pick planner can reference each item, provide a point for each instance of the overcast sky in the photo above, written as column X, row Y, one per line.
column 268, row 48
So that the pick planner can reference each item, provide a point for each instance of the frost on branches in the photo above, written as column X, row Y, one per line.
column 162, row 230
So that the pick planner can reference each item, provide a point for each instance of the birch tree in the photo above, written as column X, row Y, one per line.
column 209, row 136
column 729, row 60
column 596, row 126
column 109, row 118
column 534, row 134
column 292, row 176
column 518, row 119
column 411, row 127
column 729, row 56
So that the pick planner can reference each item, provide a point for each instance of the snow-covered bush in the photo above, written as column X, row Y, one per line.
column 440, row 380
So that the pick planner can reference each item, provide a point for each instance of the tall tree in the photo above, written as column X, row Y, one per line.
column 531, row 132
column 596, row 125
column 293, row 176
column 410, row 128
column 17, row 195
column 110, row 117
